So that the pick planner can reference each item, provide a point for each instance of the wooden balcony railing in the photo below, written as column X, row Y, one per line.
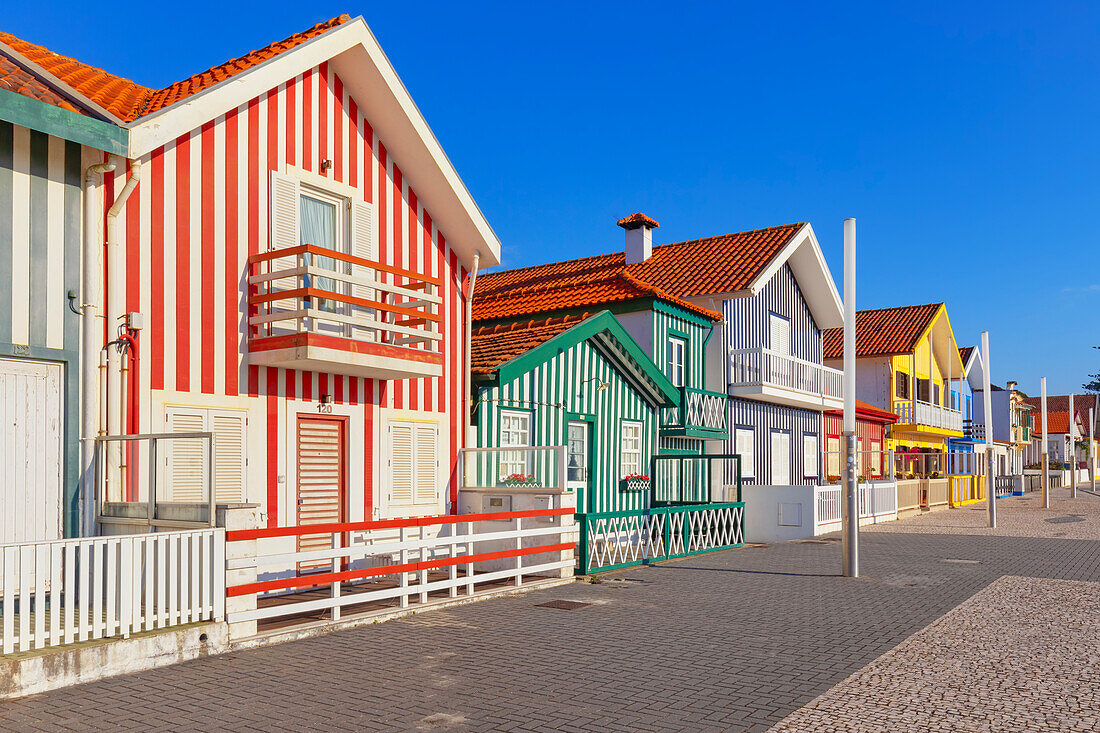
column 348, row 301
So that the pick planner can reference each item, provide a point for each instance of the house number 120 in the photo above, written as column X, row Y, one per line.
column 327, row 409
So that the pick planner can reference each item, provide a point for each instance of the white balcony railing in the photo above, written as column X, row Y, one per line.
column 770, row 370
column 933, row 416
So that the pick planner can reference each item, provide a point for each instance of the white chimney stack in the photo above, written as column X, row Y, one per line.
column 639, row 237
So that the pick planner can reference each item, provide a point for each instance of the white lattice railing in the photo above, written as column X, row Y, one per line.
column 618, row 539
column 93, row 588
column 699, row 409
column 766, row 367
column 934, row 416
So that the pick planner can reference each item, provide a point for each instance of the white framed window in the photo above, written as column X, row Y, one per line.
column 677, row 351
column 743, row 441
column 630, row 448
column 186, row 464
column 414, row 462
column 809, row 450
column 878, row 461
column 779, row 328
column 832, row 460
column 515, row 430
column 781, row 458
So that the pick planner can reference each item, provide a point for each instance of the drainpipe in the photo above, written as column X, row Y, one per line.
column 116, row 305
column 91, row 340
column 469, row 337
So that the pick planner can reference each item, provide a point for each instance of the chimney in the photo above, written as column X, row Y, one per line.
column 639, row 237
column 1010, row 386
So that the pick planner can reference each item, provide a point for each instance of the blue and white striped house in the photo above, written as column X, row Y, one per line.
column 48, row 145
column 735, row 323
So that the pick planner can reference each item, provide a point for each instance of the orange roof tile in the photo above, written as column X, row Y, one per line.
column 129, row 100
column 16, row 79
column 883, row 331
column 491, row 346
column 637, row 220
column 1058, row 422
column 965, row 352
column 1060, row 404
column 722, row 264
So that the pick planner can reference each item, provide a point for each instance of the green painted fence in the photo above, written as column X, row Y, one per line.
column 610, row 540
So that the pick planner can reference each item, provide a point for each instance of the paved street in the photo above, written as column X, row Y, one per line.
column 736, row 640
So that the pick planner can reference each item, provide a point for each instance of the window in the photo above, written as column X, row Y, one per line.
column 515, row 430
column 878, row 460
column 809, row 450
column 780, row 332
column 677, row 348
column 832, row 459
column 187, row 467
column 781, row 458
column 414, row 462
column 922, row 390
column 630, row 448
column 743, row 446
column 901, row 380
column 935, row 394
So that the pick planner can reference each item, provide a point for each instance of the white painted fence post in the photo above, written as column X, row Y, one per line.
column 519, row 558
column 236, row 519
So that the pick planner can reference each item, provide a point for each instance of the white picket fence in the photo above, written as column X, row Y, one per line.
column 98, row 587
column 878, row 502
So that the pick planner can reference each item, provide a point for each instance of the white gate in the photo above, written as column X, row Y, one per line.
column 30, row 450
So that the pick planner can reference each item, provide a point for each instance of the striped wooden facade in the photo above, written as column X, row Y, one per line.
column 746, row 326
column 40, row 239
column 201, row 209
column 567, row 387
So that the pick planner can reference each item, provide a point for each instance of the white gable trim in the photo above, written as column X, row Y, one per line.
column 355, row 55
column 803, row 254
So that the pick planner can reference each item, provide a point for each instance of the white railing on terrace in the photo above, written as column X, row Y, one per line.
column 72, row 590
column 878, row 502
column 974, row 429
column 928, row 414
column 309, row 289
column 769, row 368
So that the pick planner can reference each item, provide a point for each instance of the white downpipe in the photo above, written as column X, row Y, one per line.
column 468, row 400
column 116, row 306
column 90, row 339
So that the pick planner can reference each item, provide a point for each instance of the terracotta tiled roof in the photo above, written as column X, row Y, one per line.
column 1060, row 403
column 491, row 346
column 129, row 100
column 16, row 79
column 883, row 331
column 1058, row 422
column 710, row 266
column 637, row 220
column 965, row 352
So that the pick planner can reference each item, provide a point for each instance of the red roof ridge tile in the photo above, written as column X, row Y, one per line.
column 636, row 220
column 746, row 233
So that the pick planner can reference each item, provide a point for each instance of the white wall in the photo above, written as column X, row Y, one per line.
column 767, row 506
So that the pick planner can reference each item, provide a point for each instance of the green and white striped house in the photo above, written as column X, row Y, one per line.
column 46, row 149
column 580, row 381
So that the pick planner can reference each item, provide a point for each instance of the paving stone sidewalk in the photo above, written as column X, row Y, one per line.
column 736, row 640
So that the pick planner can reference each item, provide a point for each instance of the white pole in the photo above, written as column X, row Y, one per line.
column 851, row 481
column 991, row 501
column 1043, row 446
column 1092, row 446
column 1071, row 454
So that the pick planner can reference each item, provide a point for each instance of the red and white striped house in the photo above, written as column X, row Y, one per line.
column 286, row 269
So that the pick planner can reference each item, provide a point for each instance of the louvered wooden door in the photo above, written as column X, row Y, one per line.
column 321, row 481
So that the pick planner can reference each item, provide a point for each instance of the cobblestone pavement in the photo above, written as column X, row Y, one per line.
column 734, row 640
column 1017, row 516
column 1039, row 636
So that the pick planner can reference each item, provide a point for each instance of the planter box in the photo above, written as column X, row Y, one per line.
column 634, row 484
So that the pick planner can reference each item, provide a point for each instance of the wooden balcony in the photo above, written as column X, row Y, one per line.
column 769, row 376
column 317, row 309
column 700, row 414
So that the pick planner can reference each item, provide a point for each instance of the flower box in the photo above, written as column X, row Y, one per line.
column 521, row 480
column 634, row 483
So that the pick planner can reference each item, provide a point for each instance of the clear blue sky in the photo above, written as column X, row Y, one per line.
column 962, row 136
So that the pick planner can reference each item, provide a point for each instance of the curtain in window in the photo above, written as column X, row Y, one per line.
column 318, row 222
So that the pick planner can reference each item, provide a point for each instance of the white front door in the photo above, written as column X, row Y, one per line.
column 30, row 450
column 781, row 458
column 576, row 462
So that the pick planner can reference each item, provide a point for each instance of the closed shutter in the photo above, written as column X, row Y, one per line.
column 229, row 455
column 427, row 463
column 401, row 463
column 320, row 483
column 185, row 479
column 744, row 442
column 780, row 334
column 362, row 246
column 781, row 458
column 902, row 385
column 833, row 449
column 285, row 230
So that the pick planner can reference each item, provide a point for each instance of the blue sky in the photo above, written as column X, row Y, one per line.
column 962, row 136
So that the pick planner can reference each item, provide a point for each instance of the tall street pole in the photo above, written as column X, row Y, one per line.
column 1071, row 454
column 1092, row 448
column 990, row 491
column 1046, row 454
column 851, row 480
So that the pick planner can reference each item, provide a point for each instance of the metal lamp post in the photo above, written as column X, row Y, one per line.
column 851, row 480
column 1045, row 449
column 1071, row 454
column 991, row 500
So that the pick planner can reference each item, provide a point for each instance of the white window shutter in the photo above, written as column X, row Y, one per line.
column 427, row 460
column 228, row 427
column 285, row 229
column 402, row 469
column 186, row 471
column 363, row 246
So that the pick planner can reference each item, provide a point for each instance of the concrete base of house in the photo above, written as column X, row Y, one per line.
column 351, row 621
column 42, row 670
